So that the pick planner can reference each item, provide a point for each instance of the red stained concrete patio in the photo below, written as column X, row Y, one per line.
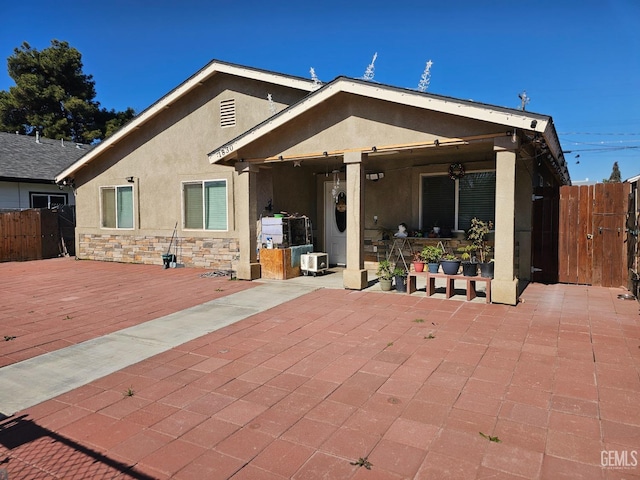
column 51, row 304
column 331, row 383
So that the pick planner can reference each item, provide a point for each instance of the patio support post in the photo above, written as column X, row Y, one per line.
column 246, row 193
column 355, row 276
column 504, row 287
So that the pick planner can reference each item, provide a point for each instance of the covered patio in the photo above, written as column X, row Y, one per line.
column 391, row 152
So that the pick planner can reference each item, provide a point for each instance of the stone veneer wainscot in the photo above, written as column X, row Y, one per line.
column 216, row 253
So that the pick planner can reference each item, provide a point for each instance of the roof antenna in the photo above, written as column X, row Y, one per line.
column 37, row 136
column 369, row 72
column 316, row 81
column 62, row 142
column 425, row 79
column 524, row 100
column 272, row 105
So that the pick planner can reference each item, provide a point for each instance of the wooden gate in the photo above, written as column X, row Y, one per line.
column 29, row 235
column 633, row 240
column 592, row 234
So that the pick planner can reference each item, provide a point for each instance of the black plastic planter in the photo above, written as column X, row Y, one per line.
column 469, row 269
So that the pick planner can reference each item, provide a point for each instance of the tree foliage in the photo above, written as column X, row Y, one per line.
column 53, row 96
column 615, row 174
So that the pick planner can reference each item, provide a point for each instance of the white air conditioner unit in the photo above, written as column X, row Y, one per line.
column 314, row 263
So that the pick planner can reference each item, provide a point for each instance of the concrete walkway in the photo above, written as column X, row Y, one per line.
column 60, row 371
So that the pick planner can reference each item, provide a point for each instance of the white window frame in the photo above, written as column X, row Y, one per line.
column 133, row 207
column 204, row 211
column 456, row 195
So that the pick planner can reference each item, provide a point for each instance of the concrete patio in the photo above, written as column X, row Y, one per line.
column 328, row 384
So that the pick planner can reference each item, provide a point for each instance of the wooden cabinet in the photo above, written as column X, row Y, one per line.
column 275, row 264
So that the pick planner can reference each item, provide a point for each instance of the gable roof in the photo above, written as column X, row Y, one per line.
column 179, row 92
column 509, row 118
column 22, row 158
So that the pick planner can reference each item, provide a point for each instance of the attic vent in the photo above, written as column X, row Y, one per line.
column 228, row 113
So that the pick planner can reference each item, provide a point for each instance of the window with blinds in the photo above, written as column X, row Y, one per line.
column 117, row 207
column 205, row 205
column 228, row 113
column 453, row 203
column 476, row 198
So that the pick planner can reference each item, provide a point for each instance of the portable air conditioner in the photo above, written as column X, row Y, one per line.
column 314, row 263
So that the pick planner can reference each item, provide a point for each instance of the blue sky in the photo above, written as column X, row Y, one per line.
column 577, row 60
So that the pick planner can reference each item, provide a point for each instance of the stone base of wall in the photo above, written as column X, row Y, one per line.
column 214, row 253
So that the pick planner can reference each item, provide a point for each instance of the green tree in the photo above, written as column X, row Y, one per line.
column 53, row 96
column 615, row 173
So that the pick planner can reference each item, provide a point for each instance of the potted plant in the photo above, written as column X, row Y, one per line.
column 400, row 275
column 477, row 234
column 469, row 263
column 385, row 275
column 418, row 262
column 450, row 264
column 431, row 255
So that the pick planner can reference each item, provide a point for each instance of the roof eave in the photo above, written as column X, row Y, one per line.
column 174, row 95
column 27, row 180
column 508, row 117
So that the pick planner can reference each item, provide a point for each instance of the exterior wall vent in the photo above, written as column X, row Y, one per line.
column 228, row 113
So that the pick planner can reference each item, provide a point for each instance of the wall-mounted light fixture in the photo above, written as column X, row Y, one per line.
column 374, row 148
column 436, row 142
column 130, row 180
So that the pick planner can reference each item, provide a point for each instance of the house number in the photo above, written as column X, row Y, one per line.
column 226, row 150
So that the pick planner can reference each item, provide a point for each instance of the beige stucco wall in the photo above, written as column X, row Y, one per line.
column 524, row 218
column 170, row 149
column 350, row 121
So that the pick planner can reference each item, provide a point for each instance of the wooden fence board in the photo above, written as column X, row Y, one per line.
column 584, row 230
column 563, row 252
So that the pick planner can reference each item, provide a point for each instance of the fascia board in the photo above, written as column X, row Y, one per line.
column 487, row 113
column 633, row 179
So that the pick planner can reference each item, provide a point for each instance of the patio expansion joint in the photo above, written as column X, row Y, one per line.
column 27, row 383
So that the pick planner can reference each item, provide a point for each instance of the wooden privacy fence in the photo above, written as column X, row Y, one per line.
column 592, row 234
column 35, row 234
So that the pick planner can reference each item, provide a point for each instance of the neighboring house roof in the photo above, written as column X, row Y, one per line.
column 24, row 159
column 633, row 179
column 509, row 118
column 180, row 91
